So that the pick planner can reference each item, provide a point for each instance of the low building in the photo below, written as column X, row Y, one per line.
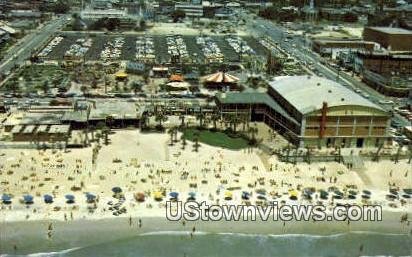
column 312, row 112
column 393, row 39
column 191, row 10
column 24, row 14
column 333, row 48
column 384, row 63
column 93, row 14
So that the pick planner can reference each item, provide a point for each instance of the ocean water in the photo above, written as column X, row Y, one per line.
column 170, row 244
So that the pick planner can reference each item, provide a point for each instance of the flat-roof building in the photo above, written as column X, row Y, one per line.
column 312, row 111
column 393, row 39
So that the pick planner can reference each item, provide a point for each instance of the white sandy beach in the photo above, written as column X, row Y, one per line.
column 149, row 164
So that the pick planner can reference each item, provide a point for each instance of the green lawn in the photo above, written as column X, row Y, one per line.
column 219, row 139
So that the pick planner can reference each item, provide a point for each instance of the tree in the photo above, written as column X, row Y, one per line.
column 183, row 138
column 196, row 144
column 142, row 24
column 160, row 117
column 200, row 116
column 84, row 89
column 182, row 119
column 178, row 15
column 135, row 86
column 45, row 86
column 252, row 132
column 171, row 133
column 61, row 6
column 215, row 117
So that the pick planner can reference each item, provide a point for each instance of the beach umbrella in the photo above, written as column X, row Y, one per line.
column 116, row 190
column 90, row 198
column 228, row 195
column 158, row 196
column 406, row 196
column 28, row 199
column 393, row 191
column 408, row 191
column 6, row 198
column 174, row 195
column 192, row 196
column 366, row 192
column 261, row 197
column 391, row 197
column 352, row 192
column 48, row 198
column 323, row 194
column 140, row 197
column 351, row 196
column 245, row 195
column 69, row 198
column 366, row 196
column 293, row 195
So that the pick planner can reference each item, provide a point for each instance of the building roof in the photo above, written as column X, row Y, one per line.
column 59, row 129
column 114, row 109
column 253, row 97
column 390, row 30
column 307, row 93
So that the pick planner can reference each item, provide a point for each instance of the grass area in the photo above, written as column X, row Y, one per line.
column 219, row 139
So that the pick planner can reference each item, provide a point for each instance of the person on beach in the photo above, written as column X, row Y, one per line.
column 140, row 223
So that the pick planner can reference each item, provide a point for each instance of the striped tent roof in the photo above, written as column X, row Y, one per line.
column 220, row 77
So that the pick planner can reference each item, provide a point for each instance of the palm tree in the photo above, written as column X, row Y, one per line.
column 171, row 133
column 214, row 118
column 183, row 138
column 252, row 132
column 160, row 117
column 182, row 119
column 92, row 128
column 144, row 120
column 104, row 130
column 196, row 145
column 200, row 116
column 234, row 120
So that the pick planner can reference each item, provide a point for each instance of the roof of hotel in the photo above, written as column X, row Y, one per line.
column 253, row 97
column 308, row 93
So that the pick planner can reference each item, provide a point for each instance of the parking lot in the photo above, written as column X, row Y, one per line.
column 142, row 48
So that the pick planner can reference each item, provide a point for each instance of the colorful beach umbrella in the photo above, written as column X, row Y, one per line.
column 245, row 195
column 48, row 198
column 192, row 196
column 140, row 196
column 116, row 190
column 157, row 195
column 174, row 194
column 228, row 195
column 69, row 198
column 90, row 198
column 6, row 198
column 28, row 199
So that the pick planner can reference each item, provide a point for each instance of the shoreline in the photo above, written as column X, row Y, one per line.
column 31, row 236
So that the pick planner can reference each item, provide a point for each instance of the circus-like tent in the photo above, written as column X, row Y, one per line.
column 220, row 79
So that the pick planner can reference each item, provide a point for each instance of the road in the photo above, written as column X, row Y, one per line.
column 296, row 46
column 30, row 43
